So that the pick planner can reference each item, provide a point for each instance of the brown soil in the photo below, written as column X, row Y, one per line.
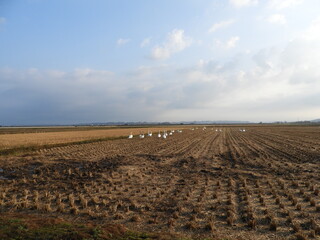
column 260, row 184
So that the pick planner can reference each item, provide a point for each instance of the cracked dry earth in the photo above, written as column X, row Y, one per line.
column 260, row 184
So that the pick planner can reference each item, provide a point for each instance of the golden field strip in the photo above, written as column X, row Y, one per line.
column 24, row 137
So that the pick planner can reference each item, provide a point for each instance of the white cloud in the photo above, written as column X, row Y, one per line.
column 277, row 19
column 281, row 4
column 243, row 3
column 160, row 53
column 231, row 43
column 122, row 41
column 145, row 42
column 220, row 25
column 313, row 31
column 176, row 41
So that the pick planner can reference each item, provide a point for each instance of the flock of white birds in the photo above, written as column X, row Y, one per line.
column 165, row 134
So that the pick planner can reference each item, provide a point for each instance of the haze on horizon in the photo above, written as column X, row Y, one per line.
column 75, row 61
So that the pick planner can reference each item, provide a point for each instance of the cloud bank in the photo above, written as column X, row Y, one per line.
column 270, row 84
column 273, row 82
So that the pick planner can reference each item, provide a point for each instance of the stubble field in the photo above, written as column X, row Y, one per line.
column 36, row 137
column 263, row 183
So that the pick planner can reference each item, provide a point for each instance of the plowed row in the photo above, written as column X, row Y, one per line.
column 260, row 184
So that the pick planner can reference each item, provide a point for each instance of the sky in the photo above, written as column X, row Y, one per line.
column 82, row 61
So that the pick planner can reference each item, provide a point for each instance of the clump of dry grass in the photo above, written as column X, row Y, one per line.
column 312, row 202
column 306, row 197
column 230, row 220
column 171, row 222
column 312, row 234
column 295, row 184
column 83, row 202
column 113, row 208
column 313, row 223
column 180, row 209
column 154, row 220
column 95, row 200
column 61, row 207
column 290, row 197
column 298, row 207
column 14, row 201
column 252, row 224
column 118, row 216
column 312, row 187
column 37, row 206
column 300, row 236
column 294, row 201
column 74, row 210
column 71, row 200
column 296, row 227
column 47, row 208
column 290, row 217
column 273, row 225
column 136, row 218
column 46, row 194
column 3, row 194
column 25, row 203
column 268, row 216
column 231, row 183
column 210, row 226
column 192, row 225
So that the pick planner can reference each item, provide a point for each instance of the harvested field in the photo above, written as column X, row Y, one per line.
column 263, row 183
column 24, row 137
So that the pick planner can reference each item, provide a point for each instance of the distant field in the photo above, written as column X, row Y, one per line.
column 15, row 130
column 24, row 137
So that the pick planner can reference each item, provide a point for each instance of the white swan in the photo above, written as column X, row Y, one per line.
column 165, row 134
column 130, row 136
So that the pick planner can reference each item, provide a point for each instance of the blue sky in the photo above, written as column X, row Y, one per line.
column 73, row 61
